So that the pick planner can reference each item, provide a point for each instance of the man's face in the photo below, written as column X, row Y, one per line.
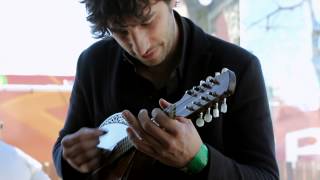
column 150, row 40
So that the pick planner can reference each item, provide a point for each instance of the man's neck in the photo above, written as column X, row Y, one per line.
column 159, row 74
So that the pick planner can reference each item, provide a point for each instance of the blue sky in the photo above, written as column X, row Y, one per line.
column 284, row 50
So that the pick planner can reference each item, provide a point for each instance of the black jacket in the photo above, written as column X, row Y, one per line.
column 240, row 142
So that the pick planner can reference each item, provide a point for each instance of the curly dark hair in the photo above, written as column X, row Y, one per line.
column 102, row 12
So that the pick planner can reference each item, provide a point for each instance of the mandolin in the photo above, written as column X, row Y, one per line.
column 124, row 162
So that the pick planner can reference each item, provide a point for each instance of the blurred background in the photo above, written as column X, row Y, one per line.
column 40, row 41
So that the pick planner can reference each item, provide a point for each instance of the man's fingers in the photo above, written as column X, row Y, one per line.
column 135, row 126
column 88, row 133
column 72, row 164
column 163, row 103
column 87, row 166
column 84, row 134
column 91, row 165
column 133, row 122
column 170, row 125
column 157, row 134
column 129, row 117
column 84, row 160
column 67, row 141
column 140, row 144
column 87, row 156
column 80, row 148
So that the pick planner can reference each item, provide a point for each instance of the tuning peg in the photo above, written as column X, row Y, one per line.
column 196, row 89
column 216, row 111
column 224, row 70
column 202, row 82
column 191, row 92
column 206, row 98
column 224, row 106
column 208, row 116
column 206, row 85
column 214, row 94
column 200, row 121
column 209, row 79
column 216, row 74
column 190, row 108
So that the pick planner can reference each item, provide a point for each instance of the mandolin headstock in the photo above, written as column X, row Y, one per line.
column 201, row 98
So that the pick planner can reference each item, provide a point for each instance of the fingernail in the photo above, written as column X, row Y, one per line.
column 104, row 131
column 139, row 137
column 131, row 130
column 125, row 114
column 143, row 111
column 154, row 112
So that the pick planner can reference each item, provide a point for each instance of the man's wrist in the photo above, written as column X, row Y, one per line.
column 199, row 161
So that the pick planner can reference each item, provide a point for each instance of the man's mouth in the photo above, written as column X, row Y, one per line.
column 149, row 53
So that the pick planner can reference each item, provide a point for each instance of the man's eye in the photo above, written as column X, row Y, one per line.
column 146, row 23
column 120, row 32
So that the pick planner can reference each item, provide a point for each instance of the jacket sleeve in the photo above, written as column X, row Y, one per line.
column 77, row 117
column 248, row 138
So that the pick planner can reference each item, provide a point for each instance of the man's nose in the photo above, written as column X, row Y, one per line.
column 140, row 41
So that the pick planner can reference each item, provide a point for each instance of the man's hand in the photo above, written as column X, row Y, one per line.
column 174, row 142
column 80, row 149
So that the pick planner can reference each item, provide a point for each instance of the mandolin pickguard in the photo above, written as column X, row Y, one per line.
column 115, row 126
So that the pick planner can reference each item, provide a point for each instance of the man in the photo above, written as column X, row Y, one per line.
column 150, row 53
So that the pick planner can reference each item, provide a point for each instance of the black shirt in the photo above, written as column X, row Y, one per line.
column 240, row 142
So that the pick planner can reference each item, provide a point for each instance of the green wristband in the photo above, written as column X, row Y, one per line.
column 199, row 161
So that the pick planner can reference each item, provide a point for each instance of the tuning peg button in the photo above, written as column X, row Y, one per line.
column 200, row 121
column 202, row 82
column 208, row 117
column 197, row 89
column 216, row 111
column 209, row 79
column 191, row 92
column 224, row 106
column 224, row 70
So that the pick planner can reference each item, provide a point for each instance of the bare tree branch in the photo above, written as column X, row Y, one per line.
column 274, row 12
column 315, row 28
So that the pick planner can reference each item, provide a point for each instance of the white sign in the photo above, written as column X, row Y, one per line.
column 293, row 150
